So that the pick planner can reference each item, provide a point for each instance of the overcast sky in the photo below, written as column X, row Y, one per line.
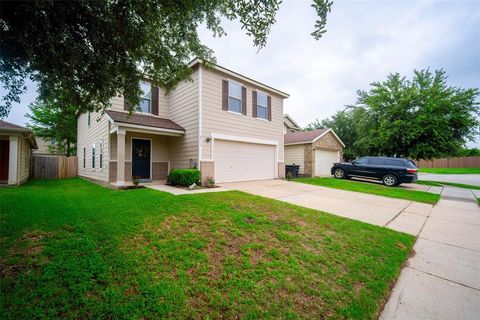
column 365, row 41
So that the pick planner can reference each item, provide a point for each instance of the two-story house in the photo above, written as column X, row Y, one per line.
column 226, row 124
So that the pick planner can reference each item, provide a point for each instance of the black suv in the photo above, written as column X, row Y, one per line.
column 391, row 171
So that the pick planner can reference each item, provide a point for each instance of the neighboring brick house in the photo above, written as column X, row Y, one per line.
column 227, row 125
column 314, row 151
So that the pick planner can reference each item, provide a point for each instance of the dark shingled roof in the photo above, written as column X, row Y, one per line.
column 8, row 125
column 144, row 120
column 303, row 136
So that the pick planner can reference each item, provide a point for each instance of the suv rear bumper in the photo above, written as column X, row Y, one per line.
column 409, row 178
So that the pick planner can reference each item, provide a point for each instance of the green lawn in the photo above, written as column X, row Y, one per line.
column 441, row 184
column 372, row 188
column 73, row 249
column 451, row 170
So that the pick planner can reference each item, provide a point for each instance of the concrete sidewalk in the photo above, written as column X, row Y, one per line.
column 471, row 179
column 442, row 279
column 397, row 214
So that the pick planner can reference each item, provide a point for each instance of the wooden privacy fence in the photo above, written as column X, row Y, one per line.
column 54, row 167
column 461, row 162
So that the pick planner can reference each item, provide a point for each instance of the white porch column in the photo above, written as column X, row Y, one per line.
column 13, row 160
column 120, row 157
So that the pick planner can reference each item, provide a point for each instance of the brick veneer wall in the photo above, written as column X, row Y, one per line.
column 327, row 142
column 207, row 169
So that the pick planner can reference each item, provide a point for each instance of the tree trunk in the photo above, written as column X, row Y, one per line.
column 68, row 147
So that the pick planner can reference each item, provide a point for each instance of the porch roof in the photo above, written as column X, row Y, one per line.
column 143, row 120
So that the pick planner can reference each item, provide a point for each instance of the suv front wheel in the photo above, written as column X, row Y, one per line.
column 390, row 180
column 339, row 173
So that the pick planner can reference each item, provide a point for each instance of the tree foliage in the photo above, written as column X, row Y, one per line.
column 92, row 50
column 54, row 119
column 422, row 118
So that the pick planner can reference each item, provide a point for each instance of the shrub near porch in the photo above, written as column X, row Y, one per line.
column 73, row 249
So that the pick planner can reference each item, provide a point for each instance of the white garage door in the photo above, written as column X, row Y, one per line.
column 324, row 161
column 239, row 161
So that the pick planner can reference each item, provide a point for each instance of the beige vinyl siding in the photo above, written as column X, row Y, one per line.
column 118, row 104
column 87, row 136
column 183, row 102
column 23, row 160
column 295, row 154
column 216, row 120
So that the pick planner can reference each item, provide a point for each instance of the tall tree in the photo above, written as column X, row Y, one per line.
column 343, row 123
column 92, row 50
column 53, row 119
column 422, row 118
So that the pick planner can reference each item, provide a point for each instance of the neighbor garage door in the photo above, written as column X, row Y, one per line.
column 239, row 161
column 324, row 161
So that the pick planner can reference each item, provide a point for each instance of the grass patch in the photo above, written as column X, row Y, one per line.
column 441, row 184
column 451, row 170
column 372, row 188
column 73, row 249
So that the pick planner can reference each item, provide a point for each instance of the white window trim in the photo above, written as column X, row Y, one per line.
column 235, row 113
column 238, row 98
column 100, row 155
column 261, row 105
column 84, row 163
column 150, row 99
column 93, row 156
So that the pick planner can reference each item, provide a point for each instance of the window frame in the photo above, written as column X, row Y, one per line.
column 233, row 97
column 93, row 156
column 262, row 106
column 149, row 99
column 100, row 155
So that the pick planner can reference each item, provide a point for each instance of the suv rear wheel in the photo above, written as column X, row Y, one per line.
column 339, row 173
column 390, row 180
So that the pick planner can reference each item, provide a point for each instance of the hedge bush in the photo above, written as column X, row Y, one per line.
column 184, row 177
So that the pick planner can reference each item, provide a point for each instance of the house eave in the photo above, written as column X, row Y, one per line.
column 224, row 70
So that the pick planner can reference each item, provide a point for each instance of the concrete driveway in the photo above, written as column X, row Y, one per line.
column 471, row 179
column 400, row 215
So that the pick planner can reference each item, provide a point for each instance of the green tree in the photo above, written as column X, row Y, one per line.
column 91, row 50
column 422, row 118
column 343, row 123
column 53, row 119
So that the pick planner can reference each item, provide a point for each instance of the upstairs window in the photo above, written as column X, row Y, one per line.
column 234, row 97
column 88, row 119
column 262, row 106
column 146, row 97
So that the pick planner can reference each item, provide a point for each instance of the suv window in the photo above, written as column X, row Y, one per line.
column 376, row 161
column 411, row 164
column 396, row 163
column 362, row 161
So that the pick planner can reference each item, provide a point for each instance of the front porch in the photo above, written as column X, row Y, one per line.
column 141, row 151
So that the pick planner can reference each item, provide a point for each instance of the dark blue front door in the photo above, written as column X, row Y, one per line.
column 141, row 158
